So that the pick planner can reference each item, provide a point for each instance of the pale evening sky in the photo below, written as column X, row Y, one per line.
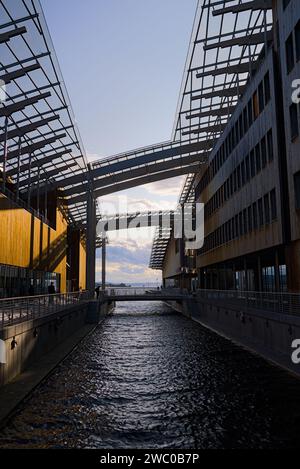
column 122, row 62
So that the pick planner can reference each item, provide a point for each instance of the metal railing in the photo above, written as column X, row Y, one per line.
column 142, row 291
column 128, row 291
column 17, row 310
column 283, row 303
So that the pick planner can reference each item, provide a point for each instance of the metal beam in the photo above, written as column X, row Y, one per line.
column 221, row 93
column 8, row 35
column 36, row 146
column 21, row 131
column 41, row 162
column 136, row 173
column 21, row 72
column 138, row 182
column 253, row 6
column 230, row 70
column 210, row 129
column 50, row 174
column 224, row 111
column 142, row 159
column 19, row 106
column 248, row 40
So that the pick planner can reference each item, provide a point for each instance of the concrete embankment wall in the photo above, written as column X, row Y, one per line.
column 27, row 342
column 266, row 333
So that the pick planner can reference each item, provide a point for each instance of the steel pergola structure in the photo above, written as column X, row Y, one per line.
column 228, row 41
column 40, row 145
column 39, row 139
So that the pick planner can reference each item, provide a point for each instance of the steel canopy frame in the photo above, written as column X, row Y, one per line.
column 37, row 120
column 227, row 42
column 39, row 131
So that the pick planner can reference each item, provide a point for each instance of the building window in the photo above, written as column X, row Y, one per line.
column 250, row 225
column 252, row 163
column 268, row 277
column 267, row 208
column 236, row 222
column 255, row 105
column 238, row 176
column 250, row 113
column 247, row 166
column 261, row 98
column 257, row 158
column 283, row 278
column 297, row 189
column 290, row 59
column 245, row 118
column 260, row 213
column 241, row 224
column 243, row 173
column 273, row 205
column 263, row 152
column 245, row 224
column 270, row 145
column 177, row 246
column 254, row 210
column 294, row 121
column 267, row 88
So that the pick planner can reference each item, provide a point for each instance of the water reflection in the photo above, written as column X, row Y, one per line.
column 151, row 378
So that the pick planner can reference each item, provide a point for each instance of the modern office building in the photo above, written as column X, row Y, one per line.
column 251, row 183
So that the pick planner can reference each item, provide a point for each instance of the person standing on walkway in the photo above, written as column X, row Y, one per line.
column 51, row 291
column 31, row 290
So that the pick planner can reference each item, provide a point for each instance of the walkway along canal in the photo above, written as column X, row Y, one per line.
column 150, row 378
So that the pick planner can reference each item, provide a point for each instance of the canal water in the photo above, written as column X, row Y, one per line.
column 149, row 378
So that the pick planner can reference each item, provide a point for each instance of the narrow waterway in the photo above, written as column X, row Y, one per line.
column 149, row 378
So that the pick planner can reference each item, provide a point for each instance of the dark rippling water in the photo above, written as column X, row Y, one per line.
column 149, row 378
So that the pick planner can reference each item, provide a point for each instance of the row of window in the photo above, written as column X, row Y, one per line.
column 252, row 164
column 19, row 281
column 260, row 213
column 292, row 47
column 252, row 110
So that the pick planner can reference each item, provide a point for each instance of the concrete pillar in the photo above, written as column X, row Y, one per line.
column 91, row 244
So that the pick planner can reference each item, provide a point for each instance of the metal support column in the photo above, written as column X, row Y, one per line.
column 277, row 272
column 46, row 201
column 103, row 263
column 29, row 181
column 91, row 244
column 38, row 191
column 5, row 152
column 19, row 167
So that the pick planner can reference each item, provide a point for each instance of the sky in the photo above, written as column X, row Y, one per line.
column 122, row 63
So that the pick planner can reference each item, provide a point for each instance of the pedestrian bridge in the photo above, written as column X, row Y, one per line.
column 143, row 294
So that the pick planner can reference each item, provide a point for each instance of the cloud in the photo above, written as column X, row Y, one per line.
column 118, row 272
column 92, row 157
column 167, row 187
column 128, row 265
column 112, row 204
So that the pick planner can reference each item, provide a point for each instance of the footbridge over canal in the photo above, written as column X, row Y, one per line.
column 143, row 294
